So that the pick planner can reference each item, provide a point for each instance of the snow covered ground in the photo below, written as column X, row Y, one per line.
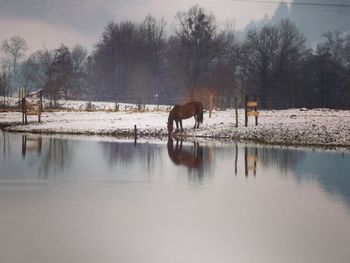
column 287, row 127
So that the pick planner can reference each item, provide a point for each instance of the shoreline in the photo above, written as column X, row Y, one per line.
column 294, row 127
column 146, row 135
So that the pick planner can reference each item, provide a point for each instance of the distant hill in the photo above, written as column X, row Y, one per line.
column 312, row 20
column 316, row 20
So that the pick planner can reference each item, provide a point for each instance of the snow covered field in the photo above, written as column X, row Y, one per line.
column 292, row 127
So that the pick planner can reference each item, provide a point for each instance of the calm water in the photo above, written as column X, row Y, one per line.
column 68, row 199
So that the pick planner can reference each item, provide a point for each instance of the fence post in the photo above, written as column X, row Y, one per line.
column 246, row 111
column 24, row 111
column 40, row 105
column 19, row 96
column 246, row 161
column 236, row 159
column 210, row 104
column 256, row 110
column 236, row 111
column 24, row 145
column 255, row 158
column 135, row 134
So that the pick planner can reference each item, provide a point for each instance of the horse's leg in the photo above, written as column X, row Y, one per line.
column 181, row 126
column 199, row 118
column 177, row 125
column 195, row 121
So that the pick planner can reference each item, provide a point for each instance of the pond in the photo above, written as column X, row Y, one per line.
column 89, row 199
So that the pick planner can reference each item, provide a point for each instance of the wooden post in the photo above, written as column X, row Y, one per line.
column 256, row 110
column 40, row 105
column 236, row 111
column 135, row 134
column 246, row 110
column 40, row 145
column 41, row 100
column 24, row 111
column 236, row 159
column 24, row 145
column 256, row 156
column 210, row 104
column 246, row 161
column 19, row 96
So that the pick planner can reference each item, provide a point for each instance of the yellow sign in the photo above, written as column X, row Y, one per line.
column 252, row 104
column 252, row 113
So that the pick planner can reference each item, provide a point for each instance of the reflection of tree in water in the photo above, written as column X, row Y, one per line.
column 5, row 145
column 51, row 154
column 122, row 154
column 196, row 158
column 56, row 156
column 282, row 159
column 330, row 169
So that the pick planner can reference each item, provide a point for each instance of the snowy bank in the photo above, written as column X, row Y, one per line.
column 288, row 127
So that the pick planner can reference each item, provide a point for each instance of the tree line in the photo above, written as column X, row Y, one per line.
column 144, row 63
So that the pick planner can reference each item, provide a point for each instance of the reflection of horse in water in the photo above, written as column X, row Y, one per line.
column 190, row 159
column 181, row 112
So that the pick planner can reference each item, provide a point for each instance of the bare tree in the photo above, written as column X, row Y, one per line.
column 223, row 71
column 175, row 71
column 270, row 59
column 200, row 39
column 291, row 49
column 259, row 50
column 140, row 84
column 59, row 75
column 154, row 34
column 36, row 68
column 120, row 47
column 79, row 56
column 15, row 48
column 4, row 86
column 337, row 48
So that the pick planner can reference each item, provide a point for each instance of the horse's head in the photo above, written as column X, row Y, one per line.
column 170, row 127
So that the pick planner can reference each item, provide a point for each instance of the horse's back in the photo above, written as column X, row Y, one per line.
column 187, row 110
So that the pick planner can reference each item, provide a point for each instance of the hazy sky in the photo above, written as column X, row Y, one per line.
column 51, row 22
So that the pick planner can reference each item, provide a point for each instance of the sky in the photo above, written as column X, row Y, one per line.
column 48, row 23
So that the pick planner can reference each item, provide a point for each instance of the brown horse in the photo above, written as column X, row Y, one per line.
column 180, row 112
